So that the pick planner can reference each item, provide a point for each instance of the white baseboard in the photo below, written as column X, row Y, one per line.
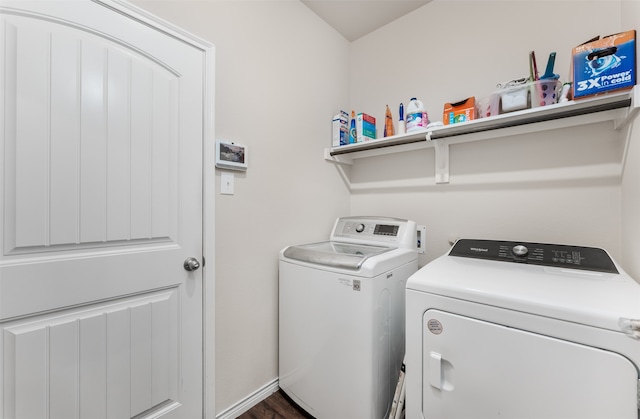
column 251, row 400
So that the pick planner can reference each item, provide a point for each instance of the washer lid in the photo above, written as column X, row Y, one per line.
column 334, row 254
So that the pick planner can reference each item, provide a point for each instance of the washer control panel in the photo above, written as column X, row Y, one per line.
column 383, row 231
column 556, row 255
column 365, row 229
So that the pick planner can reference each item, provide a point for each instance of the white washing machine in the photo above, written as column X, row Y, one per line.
column 341, row 314
column 522, row 330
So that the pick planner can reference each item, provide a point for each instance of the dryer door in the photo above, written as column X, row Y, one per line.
column 476, row 369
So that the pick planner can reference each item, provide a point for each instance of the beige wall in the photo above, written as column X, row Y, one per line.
column 631, row 174
column 281, row 74
column 555, row 186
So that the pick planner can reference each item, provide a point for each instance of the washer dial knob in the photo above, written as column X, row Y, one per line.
column 520, row 250
column 359, row 228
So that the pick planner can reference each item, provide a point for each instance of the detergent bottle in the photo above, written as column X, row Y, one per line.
column 417, row 118
column 353, row 135
column 388, row 123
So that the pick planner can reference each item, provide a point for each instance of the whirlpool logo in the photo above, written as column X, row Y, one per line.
column 479, row 249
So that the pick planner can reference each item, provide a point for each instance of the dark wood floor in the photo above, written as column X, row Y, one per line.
column 276, row 406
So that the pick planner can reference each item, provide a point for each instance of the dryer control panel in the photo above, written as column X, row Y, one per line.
column 555, row 255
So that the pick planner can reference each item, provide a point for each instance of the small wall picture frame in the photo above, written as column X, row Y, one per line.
column 230, row 155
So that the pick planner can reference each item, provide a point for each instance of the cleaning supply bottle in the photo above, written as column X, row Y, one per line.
column 353, row 136
column 388, row 123
column 417, row 118
column 401, row 126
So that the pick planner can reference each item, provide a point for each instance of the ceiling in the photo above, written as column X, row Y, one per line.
column 356, row 18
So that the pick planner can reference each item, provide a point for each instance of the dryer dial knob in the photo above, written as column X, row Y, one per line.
column 520, row 250
column 360, row 228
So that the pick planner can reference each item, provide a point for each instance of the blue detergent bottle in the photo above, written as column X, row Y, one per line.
column 353, row 136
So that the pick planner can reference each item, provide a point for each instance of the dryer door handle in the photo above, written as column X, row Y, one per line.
column 435, row 370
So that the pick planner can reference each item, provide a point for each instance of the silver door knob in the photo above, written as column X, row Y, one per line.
column 191, row 264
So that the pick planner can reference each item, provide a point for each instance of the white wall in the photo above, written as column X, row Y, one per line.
column 631, row 175
column 281, row 74
column 556, row 186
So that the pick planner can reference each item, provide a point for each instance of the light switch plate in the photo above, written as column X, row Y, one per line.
column 226, row 183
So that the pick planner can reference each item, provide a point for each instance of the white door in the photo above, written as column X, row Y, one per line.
column 101, row 203
column 477, row 369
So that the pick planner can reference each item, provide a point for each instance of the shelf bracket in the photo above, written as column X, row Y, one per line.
column 346, row 160
column 442, row 161
column 632, row 111
column 442, row 158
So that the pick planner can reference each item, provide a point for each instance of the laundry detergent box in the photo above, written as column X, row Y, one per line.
column 603, row 65
column 464, row 110
column 365, row 127
column 340, row 129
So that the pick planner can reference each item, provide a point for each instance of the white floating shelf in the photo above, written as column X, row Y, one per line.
column 620, row 108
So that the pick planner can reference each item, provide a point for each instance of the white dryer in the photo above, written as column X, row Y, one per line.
column 341, row 317
column 499, row 329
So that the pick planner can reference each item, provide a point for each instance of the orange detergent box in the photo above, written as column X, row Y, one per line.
column 464, row 110
column 606, row 64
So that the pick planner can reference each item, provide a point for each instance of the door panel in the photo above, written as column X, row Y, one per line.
column 85, row 154
column 102, row 203
column 78, row 356
column 473, row 368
